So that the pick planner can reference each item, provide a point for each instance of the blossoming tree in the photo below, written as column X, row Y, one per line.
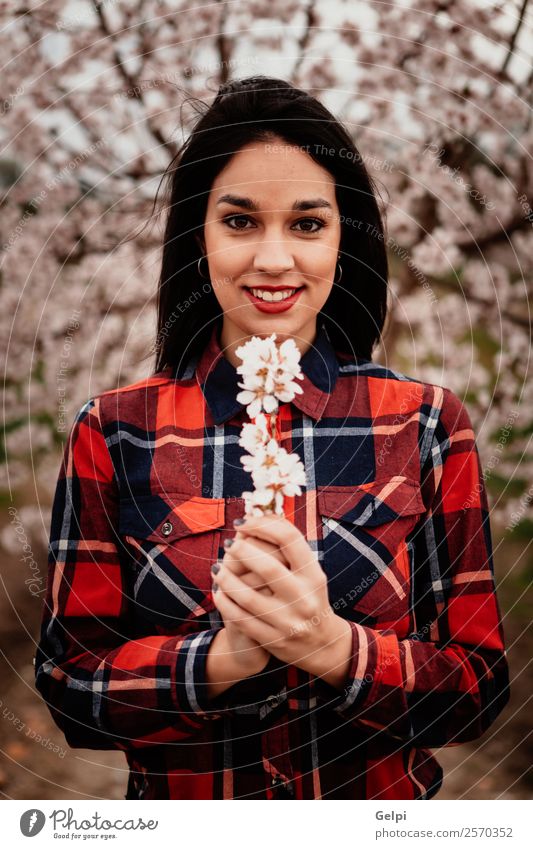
column 436, row 95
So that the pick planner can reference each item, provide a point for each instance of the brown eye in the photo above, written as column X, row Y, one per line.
column 234, row 218
column 308, row 225
column 311, row 221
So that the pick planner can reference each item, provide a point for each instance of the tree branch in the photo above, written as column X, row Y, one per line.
column 223, row 44
column 471, row 246
column 514, row 36
column 303, row 41
column 132, row 81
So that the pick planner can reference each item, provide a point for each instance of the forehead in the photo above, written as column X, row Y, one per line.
column 263, row 169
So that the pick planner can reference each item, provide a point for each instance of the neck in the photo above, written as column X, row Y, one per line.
column 230, row 337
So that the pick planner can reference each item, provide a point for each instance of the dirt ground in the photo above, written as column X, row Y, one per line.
column 497, row 766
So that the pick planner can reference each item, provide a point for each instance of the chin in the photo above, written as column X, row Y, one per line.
column 266, row 328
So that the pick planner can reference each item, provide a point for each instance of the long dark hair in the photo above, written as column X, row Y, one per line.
column 257, row 109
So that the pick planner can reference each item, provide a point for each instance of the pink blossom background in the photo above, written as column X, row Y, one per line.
column 96, row 98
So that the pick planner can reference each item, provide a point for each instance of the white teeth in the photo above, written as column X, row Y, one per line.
column 272, row 296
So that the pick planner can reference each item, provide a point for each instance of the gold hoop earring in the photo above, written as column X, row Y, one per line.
column 200, row 270
column 340, row 275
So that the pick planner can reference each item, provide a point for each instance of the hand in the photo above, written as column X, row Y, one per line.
column 241, row 569
column 247, row 651
column 296, row 623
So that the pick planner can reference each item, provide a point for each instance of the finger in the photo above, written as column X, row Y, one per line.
column 253, row 580
column 277, row 577
column 292, row 544
column 251, row 627
column 246, row 597
column 232, row 561
column 250, row 578
column 267, row 547
column 270, row 548
column 227, row 610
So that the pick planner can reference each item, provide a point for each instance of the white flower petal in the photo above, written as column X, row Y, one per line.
column 270, row 403
column 268, row 375
column 246, row 396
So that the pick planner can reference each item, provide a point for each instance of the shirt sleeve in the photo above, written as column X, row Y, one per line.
column 449, row 680
column 104, row 687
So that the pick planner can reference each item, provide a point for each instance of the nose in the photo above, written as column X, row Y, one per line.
column 273, row 256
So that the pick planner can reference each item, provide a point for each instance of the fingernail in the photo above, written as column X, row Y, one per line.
column 228, row 543
column 215, row 568
column 215, row 587
column 237, row 522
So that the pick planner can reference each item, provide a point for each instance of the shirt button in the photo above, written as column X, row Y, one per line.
column 282, row 790
column 272, row 701
column 166, row 528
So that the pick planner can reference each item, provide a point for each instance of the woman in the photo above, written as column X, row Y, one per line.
column 326, row 650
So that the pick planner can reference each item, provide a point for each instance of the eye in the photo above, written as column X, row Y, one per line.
column 311, row 221
column 232, row 218
column 232, row 222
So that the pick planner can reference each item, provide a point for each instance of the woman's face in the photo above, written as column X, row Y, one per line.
column 272, row 222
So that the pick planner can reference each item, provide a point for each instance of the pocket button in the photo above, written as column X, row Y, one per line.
column 281, row 789
column 166, row 528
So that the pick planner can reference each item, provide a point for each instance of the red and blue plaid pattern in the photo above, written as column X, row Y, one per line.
column 395, row 509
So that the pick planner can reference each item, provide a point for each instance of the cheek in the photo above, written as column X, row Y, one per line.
column 227, row 261
column 321, row 268
column 225, row 293
column 321, row 294
column 321, row 256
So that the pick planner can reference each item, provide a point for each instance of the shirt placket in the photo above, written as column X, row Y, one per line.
column 276, row 747
column 276, row 760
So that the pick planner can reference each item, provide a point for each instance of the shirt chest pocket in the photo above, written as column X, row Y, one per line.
column 173, row 539
column 364, row 549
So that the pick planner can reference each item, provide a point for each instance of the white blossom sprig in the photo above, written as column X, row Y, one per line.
column 269, row 376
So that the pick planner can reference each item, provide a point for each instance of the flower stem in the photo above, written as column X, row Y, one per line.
column 274, row 430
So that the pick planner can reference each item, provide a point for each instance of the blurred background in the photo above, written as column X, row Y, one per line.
column 96, row 99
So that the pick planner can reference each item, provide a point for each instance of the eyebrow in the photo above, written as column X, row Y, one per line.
column 298, row 205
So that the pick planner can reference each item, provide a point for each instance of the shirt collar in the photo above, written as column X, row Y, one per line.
column 219, row 379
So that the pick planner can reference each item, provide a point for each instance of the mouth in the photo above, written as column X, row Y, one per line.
column 273, row 294
column 273, row 300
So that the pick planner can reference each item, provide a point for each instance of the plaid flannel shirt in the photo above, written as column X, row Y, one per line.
column 396, row 511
